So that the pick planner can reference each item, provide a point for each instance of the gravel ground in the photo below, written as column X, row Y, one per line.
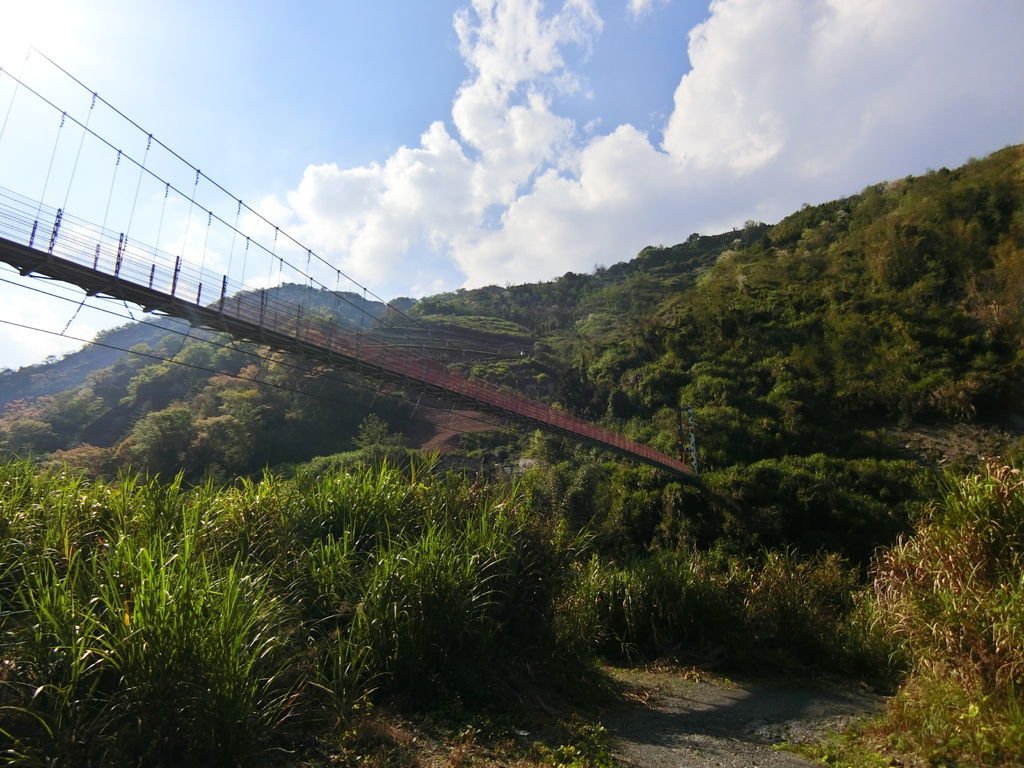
column 685, row 720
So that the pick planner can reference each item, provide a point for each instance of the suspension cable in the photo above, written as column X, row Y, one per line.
column 160, row 226
column 53, row 156
column 206, row 242
column 78, row 154
column 110, row 195
column 188, row 219
column 138, row 184
column 168, row 187
column 234, row 234
column 14, row 93
column 181, row 159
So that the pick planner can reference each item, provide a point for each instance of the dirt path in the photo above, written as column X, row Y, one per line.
column 682, row 720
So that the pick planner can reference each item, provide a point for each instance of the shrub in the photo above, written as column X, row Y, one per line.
column 773, row 608
column 952, row 594
column 799, row 603
column 952, row 597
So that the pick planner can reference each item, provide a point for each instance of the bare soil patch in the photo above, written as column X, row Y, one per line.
column 685, row 719
column 449, row 426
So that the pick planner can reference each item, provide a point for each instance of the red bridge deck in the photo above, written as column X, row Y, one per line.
column 42, row 241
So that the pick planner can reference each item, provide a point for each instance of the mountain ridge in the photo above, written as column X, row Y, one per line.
column 822, row 333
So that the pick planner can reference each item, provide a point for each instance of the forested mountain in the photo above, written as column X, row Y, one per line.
column 71, row 371
column 828, row 362
column 900, row 305
column 827, row 366
column 803, row 356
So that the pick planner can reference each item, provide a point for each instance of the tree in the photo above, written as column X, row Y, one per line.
column 29, row 435
column 161, row 439
column 374, row 432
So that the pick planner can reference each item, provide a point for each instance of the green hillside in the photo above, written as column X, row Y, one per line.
column 73, row 369
column 901, row 305
column 829, row 363
column 829, row 367
column 863, row 330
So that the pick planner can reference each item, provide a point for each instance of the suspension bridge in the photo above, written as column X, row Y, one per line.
column 175, row 242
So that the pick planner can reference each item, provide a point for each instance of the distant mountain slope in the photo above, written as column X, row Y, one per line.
column 896, row 306
column 73, row 369
column 840, row 332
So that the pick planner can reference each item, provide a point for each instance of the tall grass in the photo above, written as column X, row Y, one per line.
column 778, row 607
column 127, row 640
column 196, row 646
column 952, row 597
column 146, row 622
column 58, row 667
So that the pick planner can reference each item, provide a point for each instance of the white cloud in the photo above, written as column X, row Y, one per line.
column 378, row 218
column 508, row 43
column 640, row 8
column 373, row 215
column 834, row 87
column 788, row 101
column 503, row 112
column 573, row 221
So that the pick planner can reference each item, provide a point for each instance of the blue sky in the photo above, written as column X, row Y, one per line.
column 429, row 145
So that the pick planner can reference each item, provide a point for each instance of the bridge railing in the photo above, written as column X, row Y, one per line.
column 120, row 259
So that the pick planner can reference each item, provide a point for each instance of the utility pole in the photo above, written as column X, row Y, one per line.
column 687, row 450
column 694, row 464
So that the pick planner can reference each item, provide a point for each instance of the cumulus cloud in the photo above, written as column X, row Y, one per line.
column 836, row 88
column 373, row 215
column 410, row 210
column 787, row 101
